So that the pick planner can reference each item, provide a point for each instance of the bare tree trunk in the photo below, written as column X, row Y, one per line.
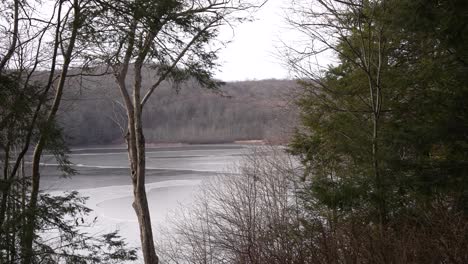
column 378, row 178
column 30, row 222
column 5, row 186
column 140, row 203
column 377, row 107
column 140, row 43
column 136, row 147
column 136, row 152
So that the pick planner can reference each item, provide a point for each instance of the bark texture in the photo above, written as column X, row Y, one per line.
column 136, row 151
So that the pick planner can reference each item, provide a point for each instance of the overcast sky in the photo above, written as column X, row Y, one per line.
column 253, row 53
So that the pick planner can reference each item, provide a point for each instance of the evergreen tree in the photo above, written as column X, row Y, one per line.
column 419, row 61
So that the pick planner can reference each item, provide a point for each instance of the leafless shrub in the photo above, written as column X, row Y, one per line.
column 256, row 216
column 245, row 217
column 436, row 236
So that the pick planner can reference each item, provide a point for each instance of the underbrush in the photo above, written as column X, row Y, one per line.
column 257, row 216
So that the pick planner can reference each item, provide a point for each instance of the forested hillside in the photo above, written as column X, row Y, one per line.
column 373, row 161
column 248, row 110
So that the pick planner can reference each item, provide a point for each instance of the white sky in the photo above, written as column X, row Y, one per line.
column 253, row 52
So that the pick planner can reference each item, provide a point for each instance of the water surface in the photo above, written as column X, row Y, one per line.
column 173, row 176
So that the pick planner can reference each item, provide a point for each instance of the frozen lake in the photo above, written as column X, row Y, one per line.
column 173, row 176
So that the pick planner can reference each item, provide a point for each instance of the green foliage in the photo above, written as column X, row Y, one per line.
column 171, row 35
column 58, row 238
column 17, row 103
column 422, row 129
column 57, row 146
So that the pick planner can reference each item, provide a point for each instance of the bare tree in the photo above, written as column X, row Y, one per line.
column 249, row 216
column 38, row 54
column 64, row 41
column 24, row 100
column 171, row 37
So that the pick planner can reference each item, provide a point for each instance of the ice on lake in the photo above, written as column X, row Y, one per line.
column 173, row 178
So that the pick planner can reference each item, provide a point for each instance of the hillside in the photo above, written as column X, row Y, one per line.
column 249, row 110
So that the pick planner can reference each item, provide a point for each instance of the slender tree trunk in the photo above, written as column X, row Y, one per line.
column 136, row 155
column 30, row 222
column 140, row 204
column 136, row 150
column 378, row 178
column 375, row 94
column 5, row 186
column 375, row 145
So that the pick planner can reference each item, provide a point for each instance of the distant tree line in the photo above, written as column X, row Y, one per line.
column 247, row 110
